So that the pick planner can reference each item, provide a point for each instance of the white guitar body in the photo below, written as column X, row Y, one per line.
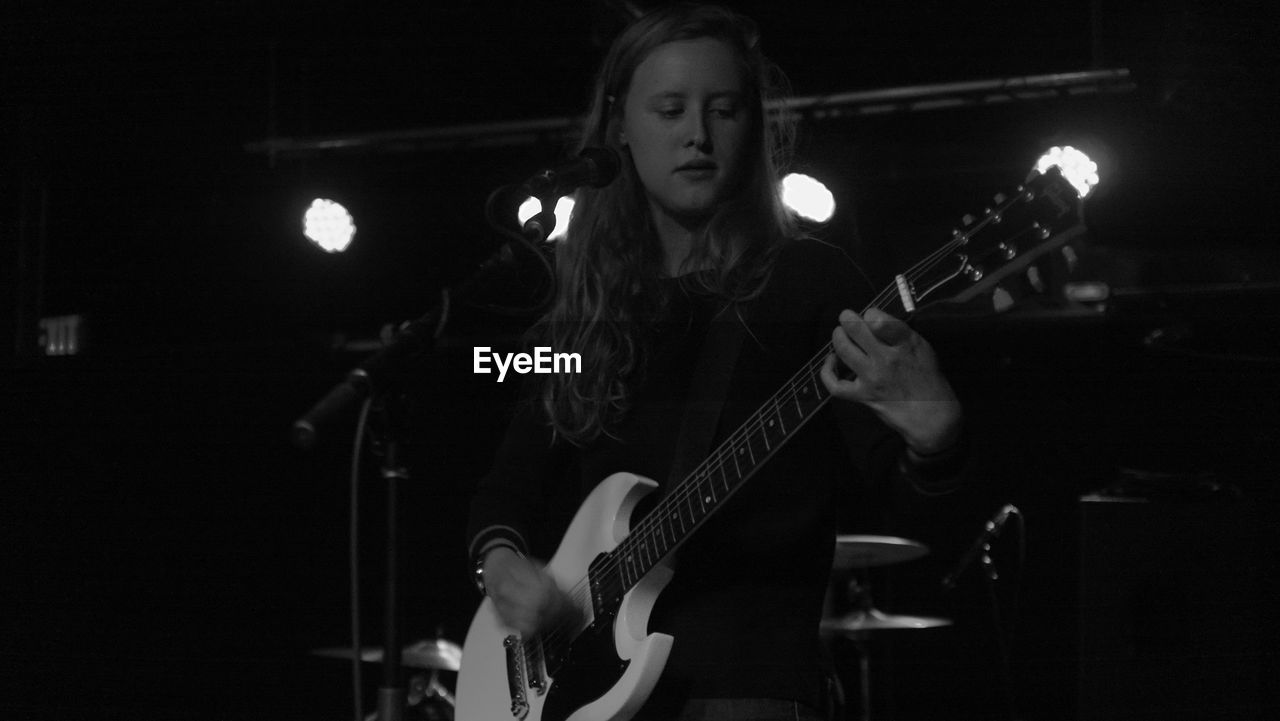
column 485, row 682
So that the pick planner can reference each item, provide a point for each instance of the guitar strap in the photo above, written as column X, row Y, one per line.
column 708, row 390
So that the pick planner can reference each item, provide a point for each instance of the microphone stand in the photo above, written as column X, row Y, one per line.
column 392, row 695
column 375, row 378
column 414, row 337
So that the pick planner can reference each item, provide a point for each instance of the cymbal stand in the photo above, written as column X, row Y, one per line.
column 860, row 596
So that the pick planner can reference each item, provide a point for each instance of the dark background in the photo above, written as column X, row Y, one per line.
column 167, row 554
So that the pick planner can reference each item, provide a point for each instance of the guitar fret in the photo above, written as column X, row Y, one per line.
column 798, row 411
column 659, row 546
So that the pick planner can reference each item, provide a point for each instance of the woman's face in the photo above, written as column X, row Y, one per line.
column 686, row 125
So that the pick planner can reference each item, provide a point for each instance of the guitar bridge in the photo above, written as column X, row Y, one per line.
column 533, row 666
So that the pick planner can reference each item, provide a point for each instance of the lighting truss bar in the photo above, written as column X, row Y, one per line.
column 905, row 99
column 914, row 98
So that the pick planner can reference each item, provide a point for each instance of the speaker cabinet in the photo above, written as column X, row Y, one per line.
column 1169, row 621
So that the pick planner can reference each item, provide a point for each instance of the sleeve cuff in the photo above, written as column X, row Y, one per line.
column 494, row 536
column 936, row 474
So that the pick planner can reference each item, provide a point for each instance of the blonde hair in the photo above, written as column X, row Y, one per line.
column 608, row 266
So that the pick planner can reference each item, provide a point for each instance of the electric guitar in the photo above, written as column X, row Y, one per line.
column 603, row 667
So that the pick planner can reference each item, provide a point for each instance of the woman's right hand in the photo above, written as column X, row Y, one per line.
column 525, row 596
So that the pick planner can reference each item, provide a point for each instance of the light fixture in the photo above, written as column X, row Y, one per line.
column 328, row 225
column 1074, row 165
column 808, row 197
column 564, row 208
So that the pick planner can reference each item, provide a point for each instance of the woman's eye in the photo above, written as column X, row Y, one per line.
column 726, row 112
column 670, row 112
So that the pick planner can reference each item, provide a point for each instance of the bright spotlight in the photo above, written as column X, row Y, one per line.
column 328, row 225
column 564, row 208
column 808, row 197
column 1075, row 166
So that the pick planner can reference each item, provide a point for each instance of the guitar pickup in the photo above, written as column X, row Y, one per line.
column 515, row 676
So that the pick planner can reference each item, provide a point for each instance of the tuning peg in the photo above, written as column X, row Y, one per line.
column 967, row 219
column 1000, row 198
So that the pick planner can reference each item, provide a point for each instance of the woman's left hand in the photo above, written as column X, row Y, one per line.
column 897, row 376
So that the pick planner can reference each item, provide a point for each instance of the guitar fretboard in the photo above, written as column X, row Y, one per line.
column 686, row 506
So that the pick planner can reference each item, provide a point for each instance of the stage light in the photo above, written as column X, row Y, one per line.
column 564, row 208
column 1075, row 166
column 808, row 197
column 328, row 225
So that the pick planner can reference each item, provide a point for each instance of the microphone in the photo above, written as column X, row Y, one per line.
column 596, row 167
column 981, row 544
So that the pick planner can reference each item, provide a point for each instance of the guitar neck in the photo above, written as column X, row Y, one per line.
column 1034, row 220
column 684, row 508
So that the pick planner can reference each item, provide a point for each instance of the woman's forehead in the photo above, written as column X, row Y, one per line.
column 704, row 66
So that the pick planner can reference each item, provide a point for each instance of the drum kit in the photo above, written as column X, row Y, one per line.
column 855, row 554
column 428, row 697
column 431, row 699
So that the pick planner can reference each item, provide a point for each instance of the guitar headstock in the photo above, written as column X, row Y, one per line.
column 1035, row 218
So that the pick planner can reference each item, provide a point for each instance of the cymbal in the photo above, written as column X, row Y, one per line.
column 873, row 620
column 867, row 551
column 431, row 653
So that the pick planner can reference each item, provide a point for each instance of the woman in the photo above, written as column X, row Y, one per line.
column 693, row 229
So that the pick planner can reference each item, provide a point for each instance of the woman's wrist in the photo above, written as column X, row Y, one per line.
column 499, row 552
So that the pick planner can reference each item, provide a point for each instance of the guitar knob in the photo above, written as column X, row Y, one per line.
column 973, row 272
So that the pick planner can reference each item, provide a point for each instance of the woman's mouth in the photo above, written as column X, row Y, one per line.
column 697, row 169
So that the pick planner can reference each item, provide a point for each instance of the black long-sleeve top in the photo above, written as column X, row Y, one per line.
column 746, row 600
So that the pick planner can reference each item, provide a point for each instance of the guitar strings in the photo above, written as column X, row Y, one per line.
column 555, row 638
column 787, row 394
column 684, row 490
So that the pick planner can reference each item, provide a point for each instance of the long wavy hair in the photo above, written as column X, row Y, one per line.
column 609, row 264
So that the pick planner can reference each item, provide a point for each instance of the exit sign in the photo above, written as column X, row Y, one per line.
column 62, row 335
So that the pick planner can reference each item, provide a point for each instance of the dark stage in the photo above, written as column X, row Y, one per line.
column 169, row 554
